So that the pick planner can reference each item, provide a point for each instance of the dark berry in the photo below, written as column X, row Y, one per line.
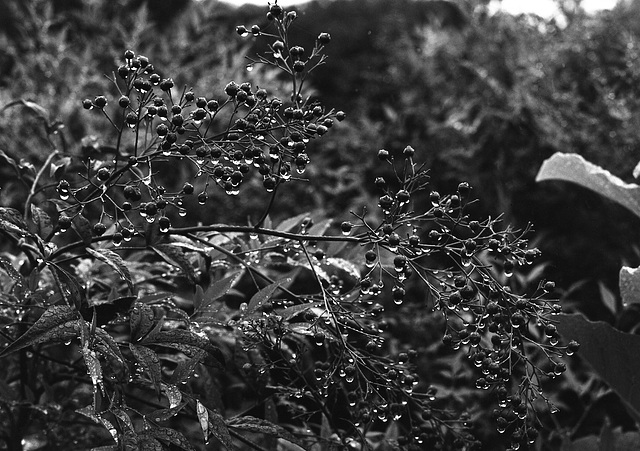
column 99, row 229
column 324, row 38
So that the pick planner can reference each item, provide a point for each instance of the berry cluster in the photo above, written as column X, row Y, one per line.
column 224, row 138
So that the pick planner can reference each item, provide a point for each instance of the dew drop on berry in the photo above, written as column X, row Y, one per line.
column 249, row 67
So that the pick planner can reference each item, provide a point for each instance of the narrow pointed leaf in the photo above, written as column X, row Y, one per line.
column 82, row 226
column 94, row 368
column 219, row 429
column 262, row 426
column 70, row 289
column 187, row 342
column 611, row 353
column 218, row 289
column 176, row 257
column 149, row 360
column 171, row 436
column 266, row 294
column 574, row 168
column 11, row 221
column 57, row 323
column 630, row 285
column 115, row 262
column 11, row 271
column 173, row 393
column 140, row 320
column 203, row 419
column 290, row 224
column 185, row 368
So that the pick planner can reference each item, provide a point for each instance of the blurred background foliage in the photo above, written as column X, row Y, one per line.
column 484, row 97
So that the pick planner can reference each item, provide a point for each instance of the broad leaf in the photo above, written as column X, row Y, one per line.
column 57, row 323
column 174, row 395
column 289, row 225
column 114, row 261
column 611, row 353
column 574, row 168
column 82, row 226
column 630, row 285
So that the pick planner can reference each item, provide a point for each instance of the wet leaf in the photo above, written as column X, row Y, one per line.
column 42, row 221
column 140, row 320
column 11, row 221
column 58, row 168
column 165, row 414
column 218, row 289
column 115, row 262
column 291, row 224
column 70, row 289
column 611, row 353
column 173, row 393
column 11, row 271
column 574, row 168
column 94, row 368
column 185, row 368
column 176, row 257
column 149, row 360
column 171, row 436
column 57, row 323
column 82, row 226
column 203, row 419
column 266, row 294
column 262, row 426
column 219, row 429
column 187, row 342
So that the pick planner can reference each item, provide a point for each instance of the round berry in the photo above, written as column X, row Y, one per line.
column 99, row 229
column 103, row 174
column 124, row 102
column 383, row 154
column 324, row 38
column 64, row 222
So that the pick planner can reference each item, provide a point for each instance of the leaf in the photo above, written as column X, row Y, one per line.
column 114, row 261
column 266, row 293
column 203, row 419
column 11, row 221
column 148, row 443
column 82, row 226
column 198, row 298
column 262, row 426
column 185, row 368
column 218, row 289
column 57, row 170
column 574, row 168
column 57, row 323
column 140, row 320
column 608, row 298
column 94, row 368
column 171, row 436
column 611, row 353
column 10, row 161
column 70, row 289
column 11, row 271
column 289, row 224
column 345, row 265
column 41, row 219
column 187, row 342
column 320, row 227
column 219, row 429
column 176, row 257
column 174, row 395
column 636, row 171
column 107, row 345
column 165, row 414
column 630, row 285
column 150, row 362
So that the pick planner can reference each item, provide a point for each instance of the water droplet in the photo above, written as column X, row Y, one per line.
column 249, row 67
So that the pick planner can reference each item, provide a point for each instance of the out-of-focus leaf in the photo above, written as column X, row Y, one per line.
column 10, row 161
column 57, row 323
column 198, row 298
column 114, row 261
column 630, row 285
column 187, row 342
column 58, row 168
column 140, row 320
column 345, row 265
column 611, row 353
column 176, row 257
column 616, row 441
column 574, row 168
column 289, row 224
column 148, row 443
column 608, row 298
column 266, row 293
column 149, row 360
column 82, row 226
column 320, row 227
column 171, row 436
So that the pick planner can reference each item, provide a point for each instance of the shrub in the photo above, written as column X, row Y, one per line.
column 126, row 324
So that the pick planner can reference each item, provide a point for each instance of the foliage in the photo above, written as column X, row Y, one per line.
column 128, row 323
